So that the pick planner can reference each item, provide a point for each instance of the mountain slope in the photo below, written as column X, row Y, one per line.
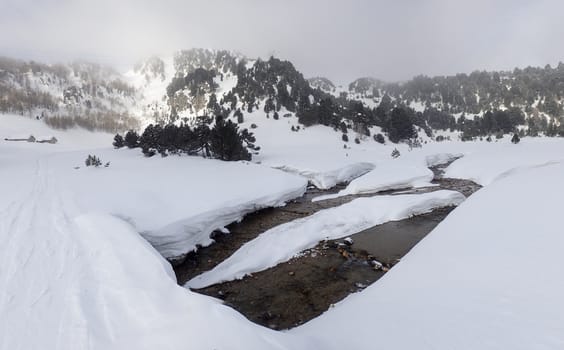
column 198, row 82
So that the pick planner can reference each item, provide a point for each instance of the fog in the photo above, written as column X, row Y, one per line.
column 342, row 40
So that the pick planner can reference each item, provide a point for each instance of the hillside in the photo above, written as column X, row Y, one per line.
column 199, row 82
column 80, row 93
column 533, row 97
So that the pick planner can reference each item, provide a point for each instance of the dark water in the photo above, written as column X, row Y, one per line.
column 392, row 240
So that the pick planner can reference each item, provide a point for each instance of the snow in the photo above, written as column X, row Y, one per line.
column 441, row 158
column 418, row 106
column 491, row 283
column 394, row 175
column 175, row 202
column 153, row 92
column 283, row 242
column 74, row 271
column 314, row 152
column 226, row 85
column 68, row 283
column 76, row 274
column 330, row 178
column 14, row 126
column 484, row 165
column 390, row 176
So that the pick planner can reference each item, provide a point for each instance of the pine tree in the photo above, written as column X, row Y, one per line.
column 395, row 153
column 239, row 116
column 226, row 142
column 515, row 139
column 400, row 126
column 149, row 139
column 119, row 142
column 202, row 136
column 131, row 139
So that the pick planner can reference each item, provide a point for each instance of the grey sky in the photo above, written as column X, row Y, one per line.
column 342, row 40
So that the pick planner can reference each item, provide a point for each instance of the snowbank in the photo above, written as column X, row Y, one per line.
column 93, row 283
column 330, row 178
column 487, row 283
column 441, row 158
column 174, row 202
column 281, row 243
column 388, row 176
column 484, row 165
column 316, row 152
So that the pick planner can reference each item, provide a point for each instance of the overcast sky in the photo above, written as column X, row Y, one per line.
column 342, row 40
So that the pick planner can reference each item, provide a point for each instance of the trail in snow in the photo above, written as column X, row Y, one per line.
column 32, row 267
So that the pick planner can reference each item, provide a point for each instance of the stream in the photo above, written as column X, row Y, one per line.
column 299, row 290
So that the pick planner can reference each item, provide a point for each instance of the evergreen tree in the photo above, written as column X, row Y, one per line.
column 213, row 106
column 515, row 139
column 239, row 116
column 226, row 142
column 202, row 136
column 131, row 139
column 400, row 126
column 149, row 139
column 119, row 142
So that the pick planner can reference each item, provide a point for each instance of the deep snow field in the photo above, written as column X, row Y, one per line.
column 81, row 253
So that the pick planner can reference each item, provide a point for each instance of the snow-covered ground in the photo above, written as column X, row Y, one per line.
column 314, row 152
column 175, row 202
column 485, row 164
column 488, row 277
column 76, row 274
column 283, row 242
column 74, row 271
